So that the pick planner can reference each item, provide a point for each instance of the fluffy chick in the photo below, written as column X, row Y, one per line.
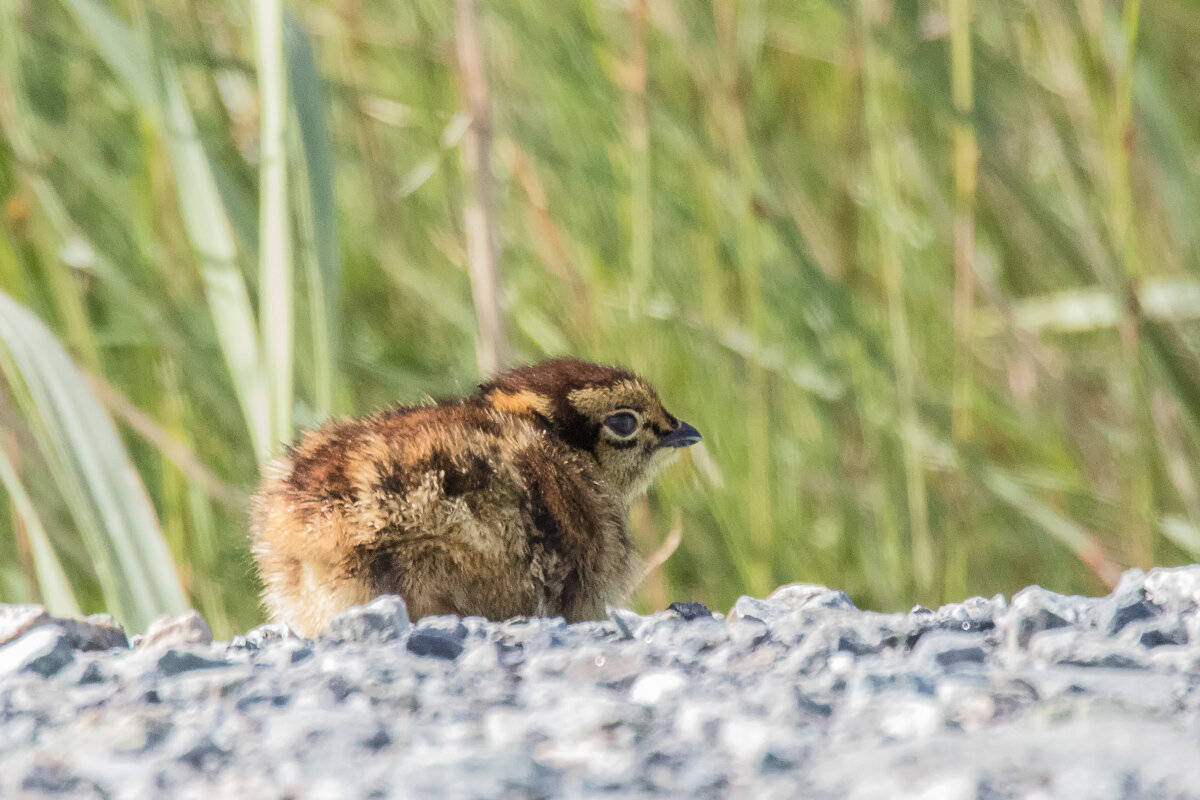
column 512, row 501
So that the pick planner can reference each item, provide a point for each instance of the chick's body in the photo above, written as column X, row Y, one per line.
column 510, row 502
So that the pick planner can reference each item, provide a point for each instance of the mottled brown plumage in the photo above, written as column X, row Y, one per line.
column 512, row 501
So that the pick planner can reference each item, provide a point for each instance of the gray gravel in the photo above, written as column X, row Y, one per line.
column 796, row 695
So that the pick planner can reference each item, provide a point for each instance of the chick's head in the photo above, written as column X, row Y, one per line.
column 607, row 412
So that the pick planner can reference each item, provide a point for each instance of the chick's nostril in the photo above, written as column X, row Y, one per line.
column 683, row 436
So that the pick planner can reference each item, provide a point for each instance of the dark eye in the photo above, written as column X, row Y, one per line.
column 623, row 423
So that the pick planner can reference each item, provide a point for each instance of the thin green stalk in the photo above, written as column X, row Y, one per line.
column 53, row 584
column 491, row 342
column 759, row 509
column 276, row 290
column 1118, row 139
column 641, row 222
column 17, row 122
column 1081, row 542
column 890, row 248
column 966, row 158
column 966, row 166
column 317, row 213
column 91, row 468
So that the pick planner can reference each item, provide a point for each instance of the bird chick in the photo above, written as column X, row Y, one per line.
column 512, row 501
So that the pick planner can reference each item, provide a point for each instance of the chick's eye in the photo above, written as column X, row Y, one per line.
column 622, row 423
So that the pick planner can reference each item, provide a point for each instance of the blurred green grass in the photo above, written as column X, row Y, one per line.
column 924, row 274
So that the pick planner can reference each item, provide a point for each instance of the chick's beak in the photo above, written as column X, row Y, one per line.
column 683, row 436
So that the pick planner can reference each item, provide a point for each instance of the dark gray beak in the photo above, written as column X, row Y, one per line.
column 683, row 436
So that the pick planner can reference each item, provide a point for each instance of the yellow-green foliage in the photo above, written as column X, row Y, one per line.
column 923, row 273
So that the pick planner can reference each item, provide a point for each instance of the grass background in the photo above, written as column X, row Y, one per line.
column 923, row 273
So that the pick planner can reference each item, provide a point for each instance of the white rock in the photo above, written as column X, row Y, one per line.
column 651, row 687
column 44, row 650
column 172, row 631
column 17, row 620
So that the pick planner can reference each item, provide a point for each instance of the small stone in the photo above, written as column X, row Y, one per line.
column 270, row 633
column 592, row 629
column 775, row 761
column 744, row 737
column 1128, row 688
column 436, row 643
column 47, row 779
column 173, row 631
column 174, row 662
column 1134, row 610
column 690, row 611
column 17, row 620
column 446, row 623
column 377, row 741
column 95, row 632
column 849, row 642
column 155, row 732
column 629, row 623
column 91, row 674
column 43, row 651
column 651, row 687
column 975, row 711
column 1177, row 585
column 1041, row 620
column 811, row 706
column 1158, row 637
column 510, row 654
column 204, row 755
column 752, row 609
column 973, row 615
column 909, row 717
column 806, row 595
column 947, row 648
column 1035, row 610
column 251, row 700
column 384, row 619
column 1110, row 660
column 1088, row 648
column 747, row 632
column 841, row 664
column 339, row 687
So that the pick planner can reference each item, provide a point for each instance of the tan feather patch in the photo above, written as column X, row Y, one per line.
column 521, row 402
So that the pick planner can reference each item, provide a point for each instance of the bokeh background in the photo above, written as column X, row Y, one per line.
column 923, row 273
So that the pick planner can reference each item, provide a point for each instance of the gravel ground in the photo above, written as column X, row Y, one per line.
column 796, row 695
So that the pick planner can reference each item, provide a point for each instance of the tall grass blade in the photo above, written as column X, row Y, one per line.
column 204, row 215
column 107, row 500
column 317, row 214
column 1083, row 544
column 53, row 583
column 883, row 156
column 276, row 279
column 491, row 343
column 966, row 161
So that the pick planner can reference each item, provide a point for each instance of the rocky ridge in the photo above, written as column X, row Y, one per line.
column 799, row 694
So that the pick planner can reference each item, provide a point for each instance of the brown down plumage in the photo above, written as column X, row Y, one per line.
column 512, row 501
